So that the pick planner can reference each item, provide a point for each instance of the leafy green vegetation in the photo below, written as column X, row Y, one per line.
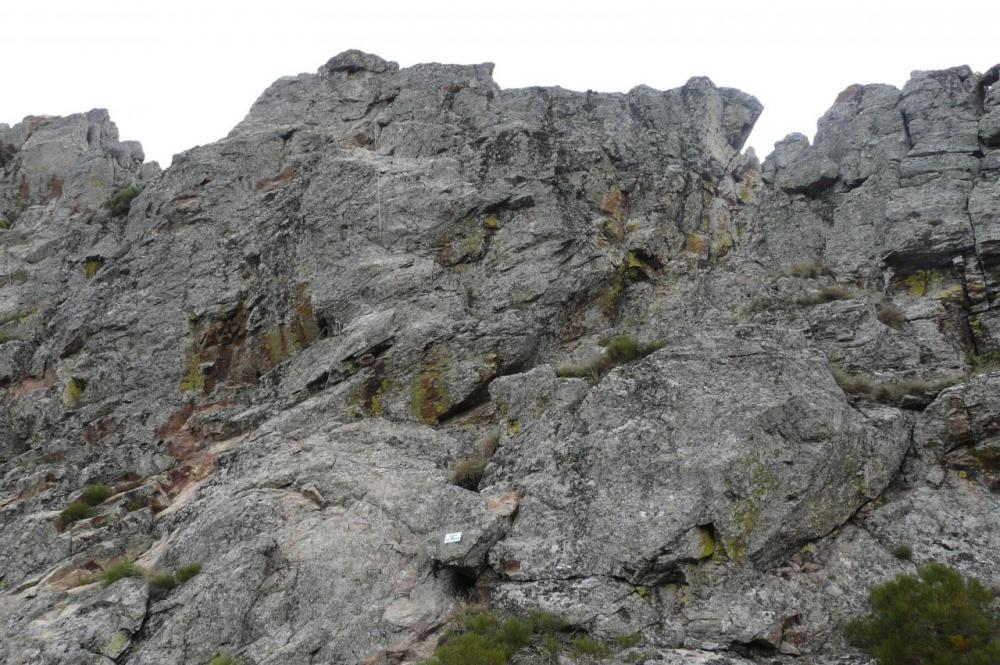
column 617, row 351
column 96, row 494
column 121, row 201
column 76, row 511
column 585, row 645
column 186, row 572
column 5, row 224
column 224, row 659
column 937, row 617
column 162, row 581
column 481, row 637
column 119, row 571
column 903, row 551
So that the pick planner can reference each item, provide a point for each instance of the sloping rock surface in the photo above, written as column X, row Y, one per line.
column 364, row 320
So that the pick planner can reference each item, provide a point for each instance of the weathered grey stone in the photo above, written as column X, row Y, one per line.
column 312, row 349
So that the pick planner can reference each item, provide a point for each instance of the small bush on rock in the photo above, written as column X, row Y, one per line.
column 936, row 617
column 96, row 494
column 586, row 645
column 481, row 637
column 903, row 551
column 76, row 511
column 224, row 659
column 121, row 201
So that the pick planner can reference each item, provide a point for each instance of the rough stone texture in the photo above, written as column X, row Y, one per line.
column 295, row 352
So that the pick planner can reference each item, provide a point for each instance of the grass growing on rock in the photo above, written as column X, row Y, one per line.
column 76, row 511
column 119, row 571
column 825, row 294
column 186, row 572
column 165, row 582
column 892, row 391
column 807, row 269
column 468, row 471
column 482, row 637
column 93, row 495
column 225, row 659
column 903, row 551
column 890, row 315
column 984, row 363
column 617, row 351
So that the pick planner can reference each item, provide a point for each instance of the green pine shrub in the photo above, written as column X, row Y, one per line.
column 121, row 201
column 937, row 617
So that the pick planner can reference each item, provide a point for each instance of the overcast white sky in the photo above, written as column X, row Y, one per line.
column 178, row 73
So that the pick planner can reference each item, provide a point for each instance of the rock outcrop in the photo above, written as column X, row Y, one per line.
column 303, row 355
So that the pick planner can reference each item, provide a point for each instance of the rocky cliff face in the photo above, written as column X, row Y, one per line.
column 311, row 350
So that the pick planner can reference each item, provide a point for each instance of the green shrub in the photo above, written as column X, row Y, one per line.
column 4, row 224
column 76, row 511
column 482, row 639
column 936, row 617
column 134, row 505
column 826, row 294
column 545, row 622
column 585, row 645
column 162, row 581
column 630, row 640
column 903, row 551
column 118, row 571
column 96, row 494
column 224, row 659
column 622, row 348
column 186, row 572
column 121, row 201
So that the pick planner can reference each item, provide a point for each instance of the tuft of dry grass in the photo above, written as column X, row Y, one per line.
column 890, row 315
column 617, row 351
column 825, row 294
column 892, row 391
column 808, row 269
column 468, row 471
